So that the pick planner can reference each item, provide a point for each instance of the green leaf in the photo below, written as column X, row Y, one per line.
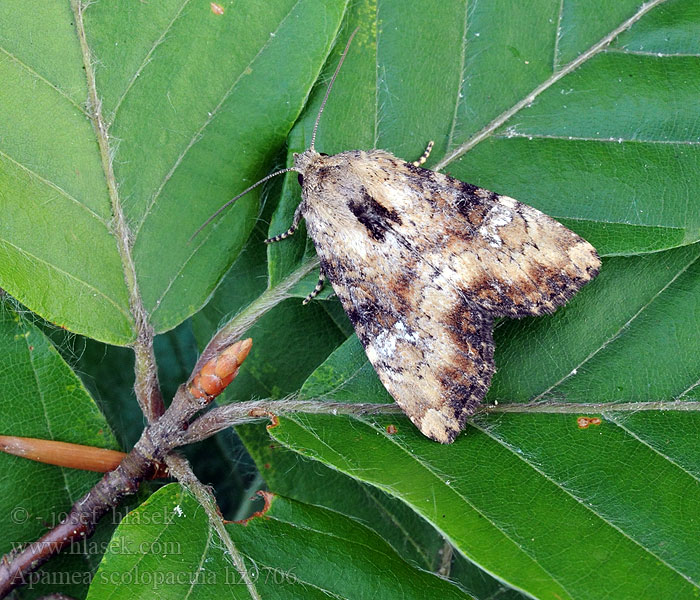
column 516, row 508
column 411, row 536
column 567, row 101
column 287, row 553
column 43, row 398
column 183, row 120
column 516, row 491
column 631, row 337
column 311, row 482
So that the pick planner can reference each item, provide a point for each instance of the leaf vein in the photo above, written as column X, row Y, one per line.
column 569, row 138
column 146, row 60
column 56, row 187
column 652, row 54
column 462, row 66
column 619, row 422
column 529, row 98
column 557, row 37
column 69, row 276
column 615, row 336
column 44, row 80
column 579, row 501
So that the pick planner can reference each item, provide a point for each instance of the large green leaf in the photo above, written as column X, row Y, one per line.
column 590, row 133
column 43, row 398
column 516, row 492
column 311, row 482
column 185, row 118
column 541, row 515
column 287, row 554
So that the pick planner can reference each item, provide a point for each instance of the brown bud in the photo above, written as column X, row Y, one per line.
column 218, row 372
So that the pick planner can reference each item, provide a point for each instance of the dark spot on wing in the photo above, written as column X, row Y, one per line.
column 593, row 271
column 468, row 190
column 363, row 314
column 375, row 217
column 470, row 328
column 483, row 293
column 467, row 379
column 326, row 172
column 402, row 287
column 329, row 270
column 472, row 197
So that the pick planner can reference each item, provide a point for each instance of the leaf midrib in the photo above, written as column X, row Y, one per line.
column 501, row 119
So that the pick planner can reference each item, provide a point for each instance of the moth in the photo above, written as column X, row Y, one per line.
column 422, row 264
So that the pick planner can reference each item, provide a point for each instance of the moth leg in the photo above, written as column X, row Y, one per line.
column 317, row 290
column 298, row 214
column 424, row 156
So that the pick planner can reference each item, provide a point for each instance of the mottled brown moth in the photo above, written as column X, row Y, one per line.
column 422, row 264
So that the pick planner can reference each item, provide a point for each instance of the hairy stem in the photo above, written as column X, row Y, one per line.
column 147, row 388
column 244, row 320
column 180, row 468
column 238, row 413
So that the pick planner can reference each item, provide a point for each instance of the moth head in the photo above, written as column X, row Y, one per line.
column 303, row 161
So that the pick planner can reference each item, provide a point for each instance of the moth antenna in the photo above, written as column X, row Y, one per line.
column 232, row 200
column 330, row 85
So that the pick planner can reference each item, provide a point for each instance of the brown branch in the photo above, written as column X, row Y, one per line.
column 82, row 519
column 239, row 413
column 155, row 443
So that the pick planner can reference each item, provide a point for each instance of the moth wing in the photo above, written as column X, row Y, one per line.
column 431, row 348
column 508, row 258
column 514, row 260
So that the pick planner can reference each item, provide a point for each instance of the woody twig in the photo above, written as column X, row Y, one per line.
column 158, row 440
column 222, row 417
